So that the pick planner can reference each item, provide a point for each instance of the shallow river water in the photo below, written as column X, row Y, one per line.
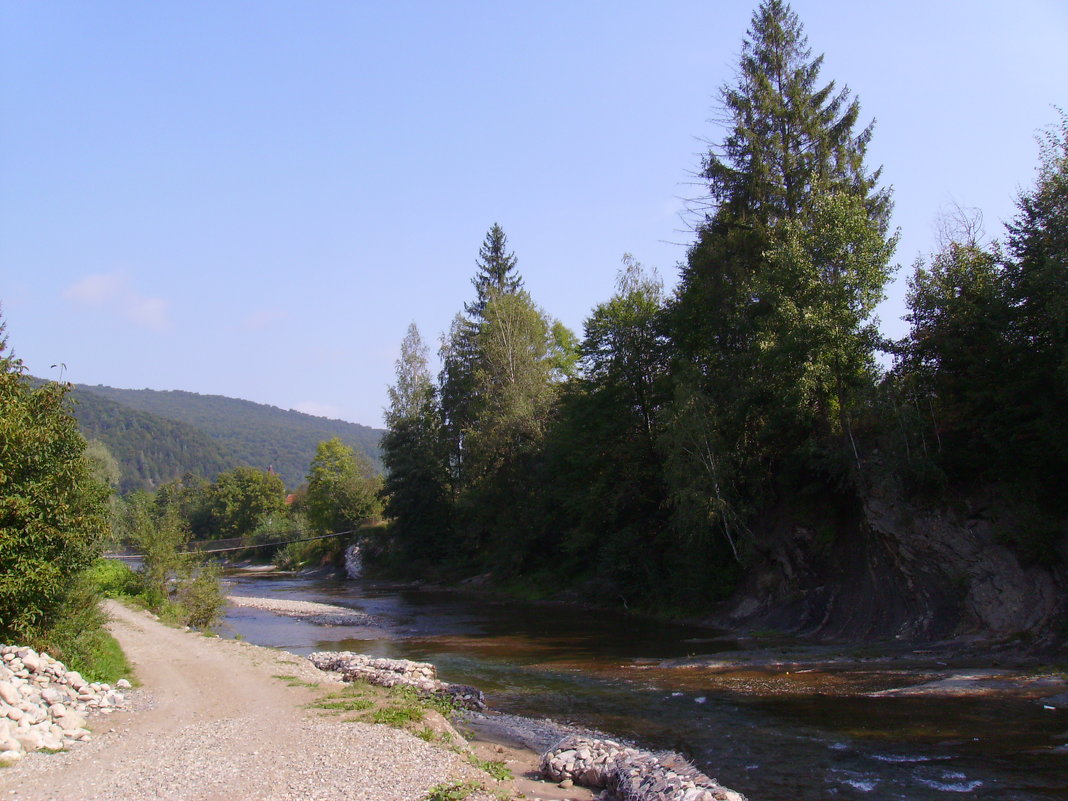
column 774, row 736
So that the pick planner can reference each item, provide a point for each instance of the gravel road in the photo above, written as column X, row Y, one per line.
column 211, row 722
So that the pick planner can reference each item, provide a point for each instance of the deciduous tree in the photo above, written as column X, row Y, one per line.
column 53, row 512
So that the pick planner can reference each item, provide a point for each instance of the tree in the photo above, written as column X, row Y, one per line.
column 793, row 250
column 1037, row 291
column 343, row 489
column 790, row 141
column 496, row 275
column 790, row 137
column 415, row 457
column 497, row 272
column 624, row 349
column 828, row 267
column 604, row 501
column 243, row 498
column 772, row 319
column 953, row 361
column 53, row 512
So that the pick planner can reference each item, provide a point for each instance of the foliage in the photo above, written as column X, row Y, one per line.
column 343, row 489
column 149, row 449
column 497, row 274
column 494, row 767
column 159, row 436
column 78, row 637
column 685, row 439
column 53, row 511
column 414, row 453
column 312, row 553
column 452, row 791
column 771, row 324
column 242, row 499
column 987, row 355
column 173, row 582
column 113, row 578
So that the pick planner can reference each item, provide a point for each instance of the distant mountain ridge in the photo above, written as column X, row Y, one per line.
column 157, row 436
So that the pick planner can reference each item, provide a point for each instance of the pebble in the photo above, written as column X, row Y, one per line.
column 43, row 705
column 629, row 774
column 390, row 672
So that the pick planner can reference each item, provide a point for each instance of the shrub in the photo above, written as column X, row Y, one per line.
column 53, row 512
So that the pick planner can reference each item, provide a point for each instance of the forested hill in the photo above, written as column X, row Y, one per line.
column 159, row 435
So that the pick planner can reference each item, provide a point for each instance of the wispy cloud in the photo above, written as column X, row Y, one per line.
column 113, row 291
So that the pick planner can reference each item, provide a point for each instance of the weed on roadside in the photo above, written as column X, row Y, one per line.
column 495, row 768
column 293, row 681
column 452, row 791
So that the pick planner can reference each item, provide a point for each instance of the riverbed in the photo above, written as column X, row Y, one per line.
column 776, row 733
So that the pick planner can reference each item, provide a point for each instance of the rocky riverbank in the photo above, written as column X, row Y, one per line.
column 621, row 772
column 44, row 706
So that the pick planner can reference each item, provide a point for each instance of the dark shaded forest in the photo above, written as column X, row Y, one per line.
column 752, row 435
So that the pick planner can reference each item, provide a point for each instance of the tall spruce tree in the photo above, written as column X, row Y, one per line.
column 772, row 315
column 497, row 272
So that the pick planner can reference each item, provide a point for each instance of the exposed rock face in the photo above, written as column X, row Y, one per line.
column 899, row 570
column 353, row 561
column 629, row 774
column 43, row 705
column 390, row 672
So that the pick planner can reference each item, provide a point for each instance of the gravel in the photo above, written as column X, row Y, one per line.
column 214, row 721
column 321, row 614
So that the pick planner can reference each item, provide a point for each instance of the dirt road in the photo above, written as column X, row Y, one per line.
column 214, row 722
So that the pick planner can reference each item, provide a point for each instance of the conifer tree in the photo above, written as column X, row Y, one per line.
column 496, row 271
column 772, row 314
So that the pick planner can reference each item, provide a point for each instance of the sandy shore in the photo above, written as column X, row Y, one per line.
column 212, row 720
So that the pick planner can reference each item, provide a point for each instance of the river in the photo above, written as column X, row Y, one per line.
column 773, row 735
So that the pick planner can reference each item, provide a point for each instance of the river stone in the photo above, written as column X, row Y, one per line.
column 8, row 693
column 30, row 739
column 71, row 721
column 122, row 684
column 15, row 713
column 12, row 755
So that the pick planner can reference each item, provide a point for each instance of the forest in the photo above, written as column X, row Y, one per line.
column 158, row 437
column 690, row 444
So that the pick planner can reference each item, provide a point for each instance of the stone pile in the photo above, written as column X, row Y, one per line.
column 390, row 672
column 629, row 774
column 43, row 706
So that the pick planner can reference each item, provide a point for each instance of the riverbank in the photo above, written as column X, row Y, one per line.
column 222, row 719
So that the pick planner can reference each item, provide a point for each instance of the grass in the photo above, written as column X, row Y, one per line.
column 452, row 791
column 495, row 768
column 293, row 681
column 79, row 640
column 400, row 706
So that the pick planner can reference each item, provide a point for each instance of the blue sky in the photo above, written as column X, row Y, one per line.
column 254, row 199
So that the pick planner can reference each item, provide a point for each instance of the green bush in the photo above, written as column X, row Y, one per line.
column 79, row 639
column 53, row 512
column 113, row 578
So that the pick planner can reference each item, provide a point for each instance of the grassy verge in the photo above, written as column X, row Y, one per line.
column 404, row 708
column 79, row 640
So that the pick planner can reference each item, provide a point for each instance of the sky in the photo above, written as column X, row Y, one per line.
column 255, row 199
